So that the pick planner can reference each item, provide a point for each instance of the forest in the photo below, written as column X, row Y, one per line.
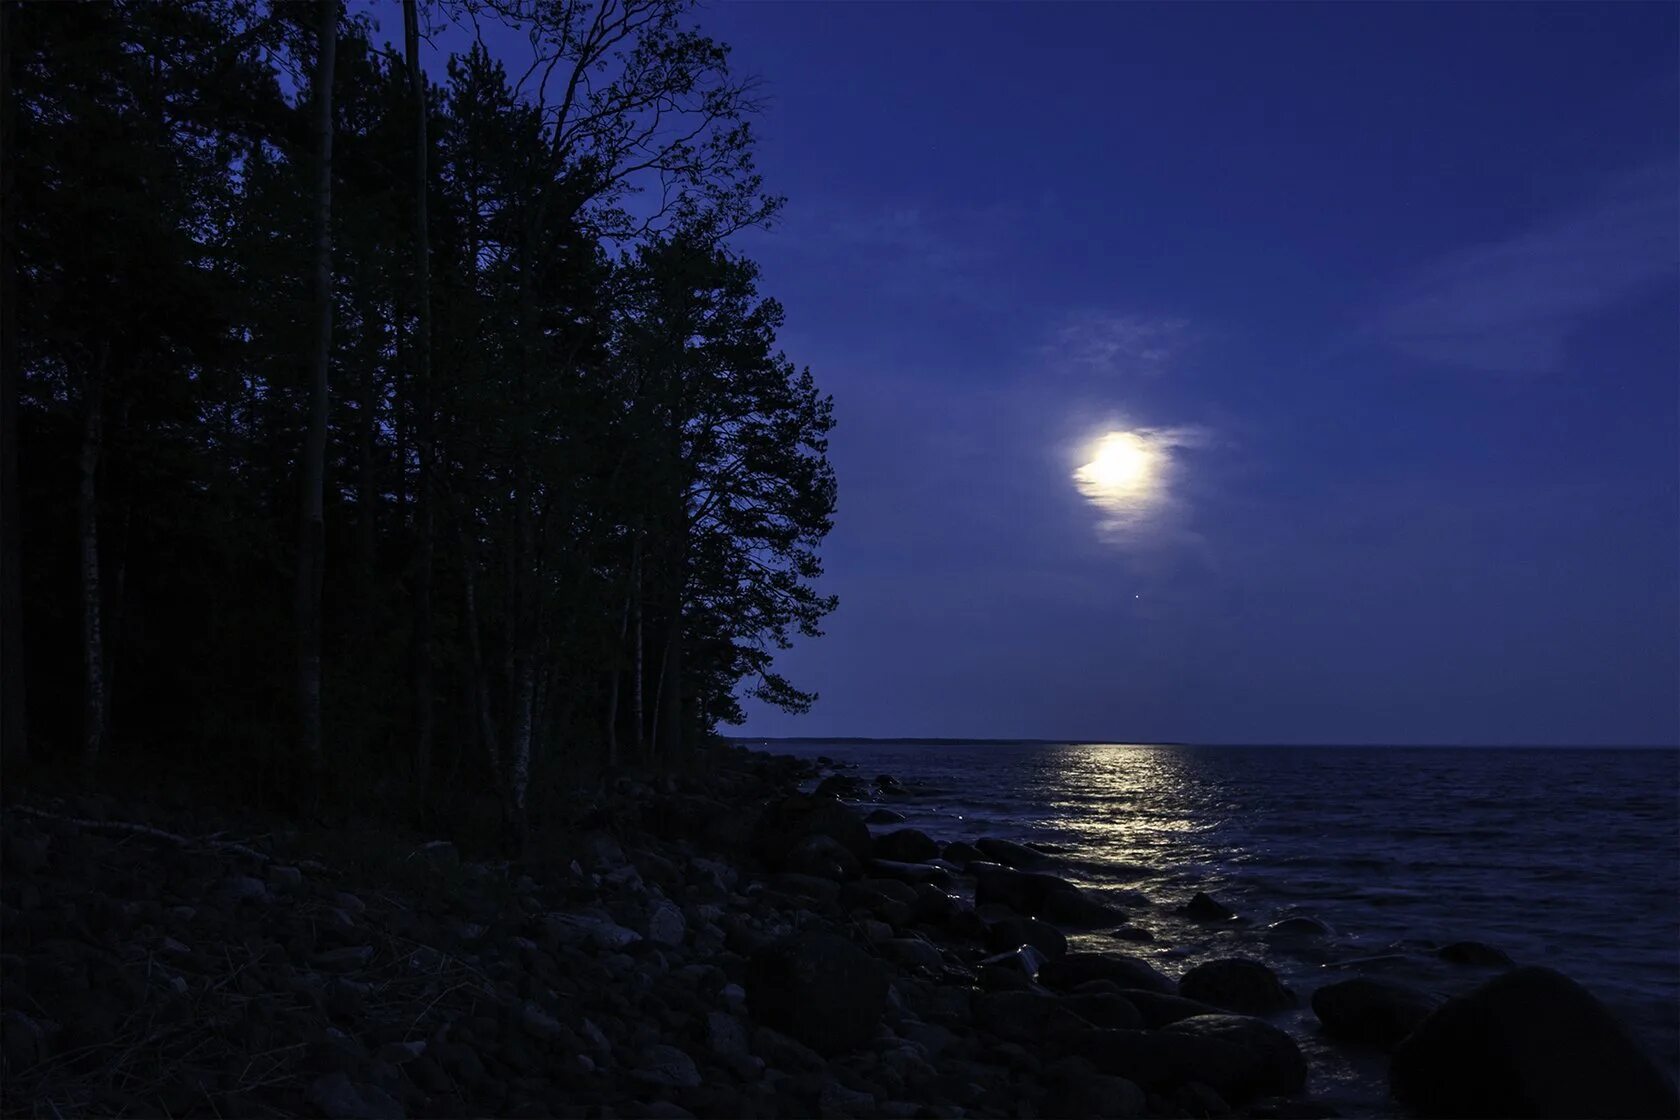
column 385, row 418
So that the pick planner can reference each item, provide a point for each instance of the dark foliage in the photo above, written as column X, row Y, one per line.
column 566, row 470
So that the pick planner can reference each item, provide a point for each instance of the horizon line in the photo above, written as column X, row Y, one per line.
column 946, row 740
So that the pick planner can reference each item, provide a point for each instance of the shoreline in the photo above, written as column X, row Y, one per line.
column 711, row 944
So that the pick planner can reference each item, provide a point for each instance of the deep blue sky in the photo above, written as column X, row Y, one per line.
column 1391, row 290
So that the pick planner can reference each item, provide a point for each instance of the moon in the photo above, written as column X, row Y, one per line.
column 1122, row 465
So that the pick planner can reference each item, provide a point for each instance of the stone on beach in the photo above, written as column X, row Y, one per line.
column 1236, row 984
column 1530, row 1042
column 1069, row 972
column 906, row 845
column 818, row 988
column 1371, row 1011
column 1203, row 907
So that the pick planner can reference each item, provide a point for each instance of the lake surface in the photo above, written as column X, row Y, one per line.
column 1566, row 858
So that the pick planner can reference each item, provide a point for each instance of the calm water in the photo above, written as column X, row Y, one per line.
column 1567, row 858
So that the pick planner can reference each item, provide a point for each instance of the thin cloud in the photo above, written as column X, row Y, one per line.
column 1118, row 343
column 1512, row 306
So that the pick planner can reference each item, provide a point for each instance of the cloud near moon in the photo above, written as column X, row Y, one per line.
column 1129, row 477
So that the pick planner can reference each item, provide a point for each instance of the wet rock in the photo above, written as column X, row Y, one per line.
column 1371, row 1011
column 1236, row 984
column 933, row 906
column 886, row 897
column 1203, row 907
column 285, row 877
column 913, row 873
column 1011, row 854
column 1076, row 908
column 1023, row 961
column 820, row 989
column 907, row 845
column 1158, row 1009
column 786, row 822
column 1007, row 932
column 842, row 785
column 913, row 952
column 1025, row 892
column 1069, row 972
column 822, row 857
column 1102, row 1009
column 1475, row 953
column 335, row 1096
column 1282, row 1069
column 961, row 854
column 1134, row 933
column 885, row 816
column 666, row 1066
column 1530, row 1042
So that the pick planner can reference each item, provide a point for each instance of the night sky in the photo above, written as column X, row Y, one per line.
column 1375, row 306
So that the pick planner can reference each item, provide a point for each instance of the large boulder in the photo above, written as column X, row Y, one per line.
column 1158, row 1009
column 1203, row 907
column 1371, row 1011
column 905, row 845
column 1164, row 1059
column 1477, row 953
column 1236, row 984
column 1531, row 1042
column 1103, row 1009
column 1039, row 895
column 819, row 989
column 1282, row 1069
column 1011, row 854
column 1007, row 931
column 960, row 853
column 1067, row 973
column 786, row 822
column 822, row 857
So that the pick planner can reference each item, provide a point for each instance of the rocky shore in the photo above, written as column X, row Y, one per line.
column 717, row 944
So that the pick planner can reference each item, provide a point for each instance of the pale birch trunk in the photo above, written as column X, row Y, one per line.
column 423, row 375
column 312, row 531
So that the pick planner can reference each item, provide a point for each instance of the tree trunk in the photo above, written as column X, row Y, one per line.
column 312, row 532
column 475, row 664
column 637, row 712
column 93, row 643
column 367, row 492
column 617, row 675
column 423, row 376
column 15, row 728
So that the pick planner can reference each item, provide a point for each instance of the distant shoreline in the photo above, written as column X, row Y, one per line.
column 868, row 740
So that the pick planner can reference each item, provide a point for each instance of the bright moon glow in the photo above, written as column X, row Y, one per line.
column 1125, row 479
column 1122, row 463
